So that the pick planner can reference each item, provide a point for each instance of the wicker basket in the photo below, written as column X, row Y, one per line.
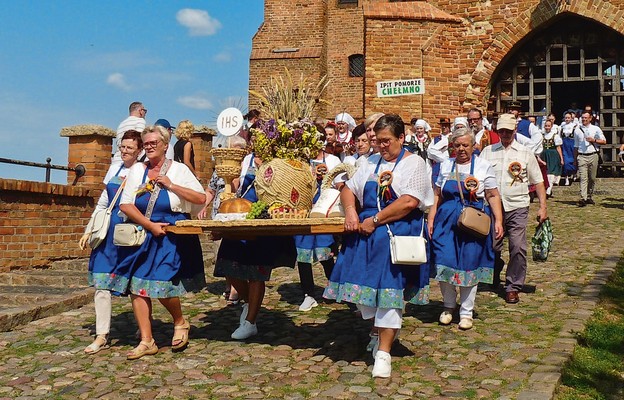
column 289, row 213
column 286, row 182
column 228, row 156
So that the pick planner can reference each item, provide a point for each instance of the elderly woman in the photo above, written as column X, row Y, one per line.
column 363, row 147
column 165, row 266
column 183, row 149
column 104, row 274
column 458, row 258
column 393, row 190
column 419, row 143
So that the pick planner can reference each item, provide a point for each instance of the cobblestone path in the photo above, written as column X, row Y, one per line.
column 513, row 351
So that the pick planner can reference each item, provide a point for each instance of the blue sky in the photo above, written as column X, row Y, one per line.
column 73, row 62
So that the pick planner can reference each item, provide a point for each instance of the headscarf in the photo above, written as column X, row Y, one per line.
column 423, row 123
column 460, row 120
column 345, row 117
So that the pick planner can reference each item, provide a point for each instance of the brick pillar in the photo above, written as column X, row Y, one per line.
column 202, row 144
column 91, row 146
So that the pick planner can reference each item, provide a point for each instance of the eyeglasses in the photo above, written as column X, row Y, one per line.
column 127, row 148
column 144, row 110
column 151, row 144
column 474, row 119
column 369, row 129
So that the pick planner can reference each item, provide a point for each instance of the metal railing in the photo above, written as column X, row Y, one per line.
column 79, row 169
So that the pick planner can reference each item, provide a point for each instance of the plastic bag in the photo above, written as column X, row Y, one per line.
column 542, row 240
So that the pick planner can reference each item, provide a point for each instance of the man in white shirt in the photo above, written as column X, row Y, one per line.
column 587, row 138
column 515, row 167
column 135, row 121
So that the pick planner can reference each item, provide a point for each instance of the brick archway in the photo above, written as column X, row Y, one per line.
column 518, row 28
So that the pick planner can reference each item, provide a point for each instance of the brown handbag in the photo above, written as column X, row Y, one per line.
column 471, row 220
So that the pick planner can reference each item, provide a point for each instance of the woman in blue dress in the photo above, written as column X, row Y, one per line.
column 104, row 274
column 166, row 266
column 460, row 259
column 567, row 136
column 312, row 248
column 393, row 189
column 248, row 263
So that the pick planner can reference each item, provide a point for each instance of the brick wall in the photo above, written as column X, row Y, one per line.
column 42, row 222
column 456, row 45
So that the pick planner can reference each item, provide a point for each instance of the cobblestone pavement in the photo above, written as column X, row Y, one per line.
column 513, row 352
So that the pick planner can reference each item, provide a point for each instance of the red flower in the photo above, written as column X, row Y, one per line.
column 142, row 293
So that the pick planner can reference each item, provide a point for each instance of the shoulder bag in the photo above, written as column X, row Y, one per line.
column 100, row 221
column 407, row 250
column 131, row 234
column 471, row 220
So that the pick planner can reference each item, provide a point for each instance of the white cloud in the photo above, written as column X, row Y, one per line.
column 199, row 22
column 118, row 80
column 223, row 57
column 196, row 102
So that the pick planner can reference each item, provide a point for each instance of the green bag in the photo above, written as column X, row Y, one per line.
column 542, row 240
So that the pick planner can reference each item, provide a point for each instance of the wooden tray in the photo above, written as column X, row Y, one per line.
column 247, row 229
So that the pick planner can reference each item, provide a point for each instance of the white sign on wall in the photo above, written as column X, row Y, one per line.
column 230, row 121
column 403, row 87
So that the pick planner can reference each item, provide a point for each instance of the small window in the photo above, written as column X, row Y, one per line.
column 341, row 2
column 356, row 65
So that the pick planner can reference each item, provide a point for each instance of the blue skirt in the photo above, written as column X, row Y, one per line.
column 364, row 274
column 567, row 150
column 312, row 248
column 166, row 266
column 457, row 257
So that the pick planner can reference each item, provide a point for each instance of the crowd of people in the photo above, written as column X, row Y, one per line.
column 407, row 182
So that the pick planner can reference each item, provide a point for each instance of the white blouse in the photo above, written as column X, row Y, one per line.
column 483, row 171
column 410, row 177
column 179, row 174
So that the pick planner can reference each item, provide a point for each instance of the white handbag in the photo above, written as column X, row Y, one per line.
column 100, row 221
column 130, row 234
column 328, row 204
column 408, row 250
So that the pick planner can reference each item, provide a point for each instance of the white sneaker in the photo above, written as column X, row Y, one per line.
column 383, row 365
column 244, row 312
column 446, row 317
column 308, row 303
column 245, row 330
column 465, row 323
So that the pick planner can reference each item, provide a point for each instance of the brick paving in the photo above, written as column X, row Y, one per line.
column 513, row 352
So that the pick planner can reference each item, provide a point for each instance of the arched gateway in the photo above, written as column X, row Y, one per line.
column 567, row 63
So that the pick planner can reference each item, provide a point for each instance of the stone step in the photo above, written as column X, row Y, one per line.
column 44, row 277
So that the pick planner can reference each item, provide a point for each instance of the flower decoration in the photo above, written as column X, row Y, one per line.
column 147, row 187
column 299, row 140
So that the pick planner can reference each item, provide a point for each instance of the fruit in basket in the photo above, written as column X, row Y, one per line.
column 238, row 206
column 258, row 211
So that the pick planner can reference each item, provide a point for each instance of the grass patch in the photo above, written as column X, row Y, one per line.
column 596, row 369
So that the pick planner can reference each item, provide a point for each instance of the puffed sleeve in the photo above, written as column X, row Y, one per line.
column 134, row 179
column 416, row 181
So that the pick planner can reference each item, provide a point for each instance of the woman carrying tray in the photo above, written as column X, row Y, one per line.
column 248, row 263
column 393, row 189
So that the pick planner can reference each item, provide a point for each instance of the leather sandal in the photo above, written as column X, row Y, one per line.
column 181, row 335
column 98, row 344
column 143, row 349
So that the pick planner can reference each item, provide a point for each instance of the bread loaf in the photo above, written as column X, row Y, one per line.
column 235, row 206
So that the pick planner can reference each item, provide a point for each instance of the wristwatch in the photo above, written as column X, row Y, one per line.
column 375, row 220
